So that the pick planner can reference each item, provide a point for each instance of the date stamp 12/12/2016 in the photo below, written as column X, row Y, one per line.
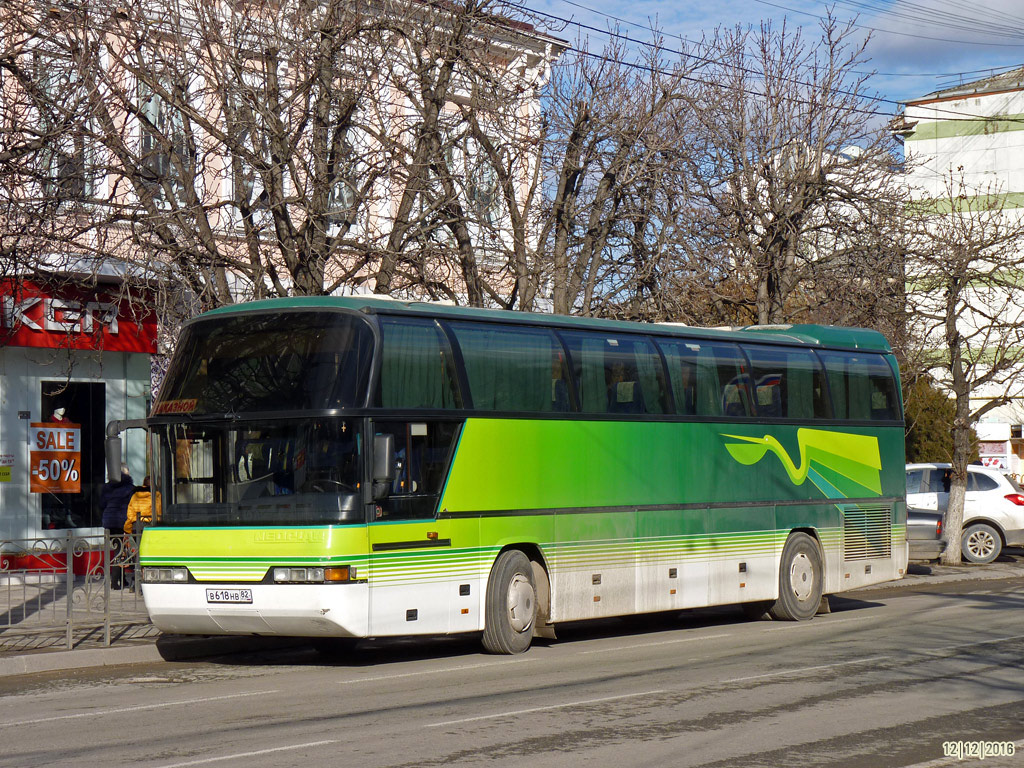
column 978, row 750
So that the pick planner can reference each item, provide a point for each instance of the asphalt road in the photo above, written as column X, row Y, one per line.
column 884, row 680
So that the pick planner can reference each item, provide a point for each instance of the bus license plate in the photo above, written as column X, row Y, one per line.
column 229, row 595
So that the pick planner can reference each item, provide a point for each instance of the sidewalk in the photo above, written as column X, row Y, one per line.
column 134, row 640
column 1010, row 565
column 34, row 630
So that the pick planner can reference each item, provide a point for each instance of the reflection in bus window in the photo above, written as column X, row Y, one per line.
column 788, row 383
column 291, row 360
column 708, row 378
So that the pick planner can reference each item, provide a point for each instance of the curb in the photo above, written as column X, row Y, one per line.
column 166, row 648
column 997, row 572
column 56, row 661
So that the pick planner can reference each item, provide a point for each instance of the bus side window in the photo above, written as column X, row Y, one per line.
column 788, row 383
column 708, row 378
column 416, row 369
column 862, row 385
column 682, row 373
column 617, row 374
column 513, row 368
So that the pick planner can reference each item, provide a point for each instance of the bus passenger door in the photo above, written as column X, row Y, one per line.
column 411, row 566
column 407, row 591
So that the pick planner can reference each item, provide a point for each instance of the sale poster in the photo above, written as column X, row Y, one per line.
column 55, row 458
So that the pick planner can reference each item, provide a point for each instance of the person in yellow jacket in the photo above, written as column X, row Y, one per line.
column 139, row 513
column 140, row 508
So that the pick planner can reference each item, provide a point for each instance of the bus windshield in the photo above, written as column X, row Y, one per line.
column 284, row 361
column 287, row 473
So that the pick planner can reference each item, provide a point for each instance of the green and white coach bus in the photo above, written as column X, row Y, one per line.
column 347, row 468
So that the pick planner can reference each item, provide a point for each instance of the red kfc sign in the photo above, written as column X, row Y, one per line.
column 77, row 319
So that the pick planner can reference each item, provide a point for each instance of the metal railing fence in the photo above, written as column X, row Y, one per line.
column 69, row 584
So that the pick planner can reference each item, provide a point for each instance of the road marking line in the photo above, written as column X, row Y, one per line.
column 582, row 703
column 256, row 753
column 652, row 645
column 861, row 661
column 936, row 651
column 826, row 623
column 121, row 710
column 433, row 671
column 798, row 670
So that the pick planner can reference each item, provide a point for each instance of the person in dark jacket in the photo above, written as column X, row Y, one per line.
column 114, row 500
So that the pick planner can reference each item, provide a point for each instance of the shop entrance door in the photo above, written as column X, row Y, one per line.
column 83, row 403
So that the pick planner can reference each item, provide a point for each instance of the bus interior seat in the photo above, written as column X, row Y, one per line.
column 625, row 397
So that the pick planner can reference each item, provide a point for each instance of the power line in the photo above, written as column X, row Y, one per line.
column 954, row 116
column 697, row 44
column 957, row 21
column 893, row 32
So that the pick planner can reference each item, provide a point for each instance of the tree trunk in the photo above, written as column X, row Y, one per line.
column 953, row 521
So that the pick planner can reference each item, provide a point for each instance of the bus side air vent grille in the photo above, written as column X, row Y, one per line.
column 867, row 534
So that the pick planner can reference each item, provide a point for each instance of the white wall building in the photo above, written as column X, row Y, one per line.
column 973, row 134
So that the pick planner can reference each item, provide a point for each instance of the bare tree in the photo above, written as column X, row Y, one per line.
column 48, row 240
column 265, row 149
column 612, row 140
column 304, row 148
column 794, row 180
column 968, row 311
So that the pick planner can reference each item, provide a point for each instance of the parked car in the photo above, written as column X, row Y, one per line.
column 993, row 507
column 924, row 534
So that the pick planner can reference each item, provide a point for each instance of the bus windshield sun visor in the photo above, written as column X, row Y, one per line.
column 271, row 362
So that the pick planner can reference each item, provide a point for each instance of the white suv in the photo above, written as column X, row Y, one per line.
column 993, row 507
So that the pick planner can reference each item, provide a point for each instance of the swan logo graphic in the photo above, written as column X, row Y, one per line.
column 841, row 465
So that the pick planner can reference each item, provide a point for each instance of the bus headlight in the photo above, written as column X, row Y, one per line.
column 313, row 575
column 165, row 575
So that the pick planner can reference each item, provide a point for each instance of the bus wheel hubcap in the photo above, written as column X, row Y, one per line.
column 980, row 544
column 801, row 576
column 520, row 603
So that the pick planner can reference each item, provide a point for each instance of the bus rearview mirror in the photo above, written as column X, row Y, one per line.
column 383, row 465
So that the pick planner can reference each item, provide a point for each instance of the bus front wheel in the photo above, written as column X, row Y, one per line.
column 801, row 580
column 511, row 604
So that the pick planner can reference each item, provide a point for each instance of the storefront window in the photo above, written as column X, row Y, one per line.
column 72, row 474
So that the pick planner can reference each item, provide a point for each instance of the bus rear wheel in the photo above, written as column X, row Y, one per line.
column 801, row 580
column 511, row 604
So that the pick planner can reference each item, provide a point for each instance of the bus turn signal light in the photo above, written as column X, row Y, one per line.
column 341, row 573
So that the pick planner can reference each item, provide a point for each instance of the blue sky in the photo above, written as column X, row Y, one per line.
column 916, row 46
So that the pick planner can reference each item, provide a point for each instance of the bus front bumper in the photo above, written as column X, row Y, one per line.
column 297, row 610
